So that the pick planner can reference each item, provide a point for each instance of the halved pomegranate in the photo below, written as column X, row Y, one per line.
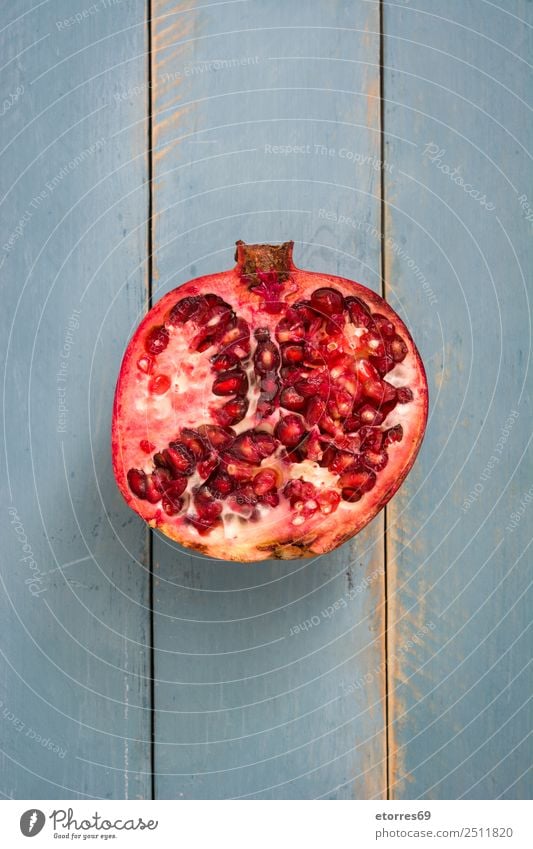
column 267, row 411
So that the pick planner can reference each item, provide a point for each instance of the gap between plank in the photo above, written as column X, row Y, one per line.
column 384, row 295
column 150, row 247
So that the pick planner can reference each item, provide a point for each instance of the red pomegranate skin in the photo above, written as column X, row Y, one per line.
column 327, row 462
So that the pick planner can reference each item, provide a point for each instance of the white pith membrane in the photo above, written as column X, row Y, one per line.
column 264, row 531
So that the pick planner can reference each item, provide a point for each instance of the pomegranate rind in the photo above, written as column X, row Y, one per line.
column 139, row 414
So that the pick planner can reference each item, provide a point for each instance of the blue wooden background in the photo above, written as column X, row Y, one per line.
column 138, row 142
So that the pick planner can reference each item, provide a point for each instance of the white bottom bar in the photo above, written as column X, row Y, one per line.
column 264, row 824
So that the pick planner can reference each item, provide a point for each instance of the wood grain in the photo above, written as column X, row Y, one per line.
column 457, row 106
column 244, row 708
column 74, row 691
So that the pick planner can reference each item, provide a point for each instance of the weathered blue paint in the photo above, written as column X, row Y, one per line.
column 244, row 709
column 458, row 95
column 74, row 693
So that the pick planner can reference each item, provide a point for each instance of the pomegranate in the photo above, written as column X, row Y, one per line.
column 267, row 411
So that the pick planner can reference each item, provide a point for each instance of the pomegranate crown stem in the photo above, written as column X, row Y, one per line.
column 253, row 260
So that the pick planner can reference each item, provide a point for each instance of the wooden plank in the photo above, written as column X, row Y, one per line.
column 74, row 686
column 244, row 709
column 458, row 92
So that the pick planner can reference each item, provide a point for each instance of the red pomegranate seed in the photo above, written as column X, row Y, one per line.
column 379, row 391
column 153, row 494
column 371, row 438
column 205, row 467
column 384, row 326
column 377, row 460
column 341, row 462
column 269, row 386
column 404, row 395
column 314, row 411
column 330, row 426
column 205, row 504
column 171, row 505
column 328, row 501
column 290, row 431
column 145, row 364
column 383, row 364
column 146, row 446
column 291, row 399
column 265, row 443
column 191, row 307
column 232, row 412
column 340, row 404
column 317, row 384
column 370, row 416
column 137, row 482
column 355, row 389
column 397, row 349
column 266, row 358
column 159, row 384
column 292, row 354
column 218, row 315
column 217, row 437
column 194, row 442
column 271, row 498
column 352, row 424
column 327, row 301
column 224, row 361
column 290, row 328
column 238, row 469
column 365, row 371
column 355, row 484
column 179, row 459
column 230, row 383
column 264, row 481
column 299, row 490
column 204, row 526
column 176, row 486
column 236, row 340
column 157, row 340
column 394, row 434
column 374, row 343
column 246, row 448
column 161, row 479
column 160, row 461
column 358, row 479
column 243, row 497
column 359, row 312
column 313, row 448
column 221, row 484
